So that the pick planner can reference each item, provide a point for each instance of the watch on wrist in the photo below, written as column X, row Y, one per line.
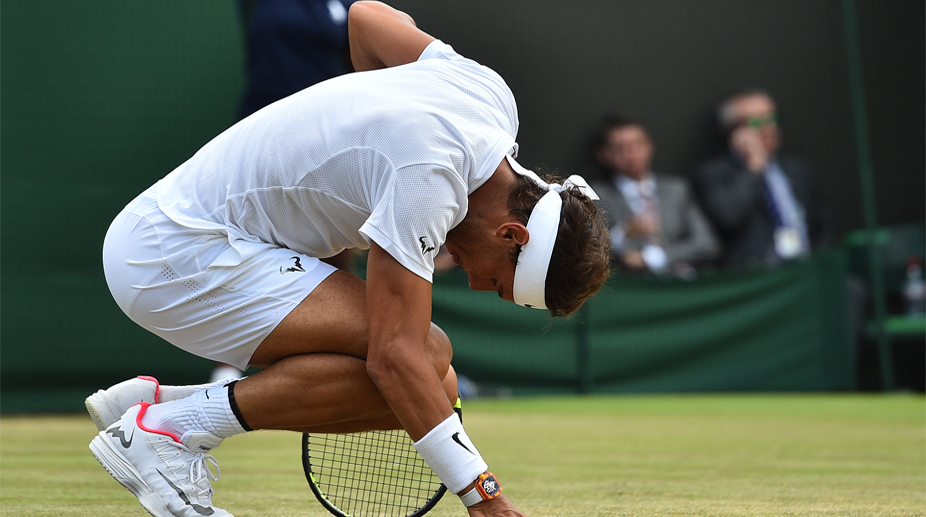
column 487, row 487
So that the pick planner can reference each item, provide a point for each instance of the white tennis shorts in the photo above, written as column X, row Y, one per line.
column 193, row 288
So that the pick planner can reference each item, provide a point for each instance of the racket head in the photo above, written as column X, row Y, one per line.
column 371, row 473
column 367, row 474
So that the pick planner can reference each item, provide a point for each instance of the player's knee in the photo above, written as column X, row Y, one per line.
column 440, row 350
column 450, row 385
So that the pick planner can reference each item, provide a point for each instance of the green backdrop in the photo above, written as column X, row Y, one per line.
column 782, row 329
column 101, row 99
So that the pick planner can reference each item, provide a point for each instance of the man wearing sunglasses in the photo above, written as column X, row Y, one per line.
column 765, row 206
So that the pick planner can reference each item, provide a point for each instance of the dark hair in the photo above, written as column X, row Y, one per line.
column 610, row 123
column 726, row 117
column 582, row 252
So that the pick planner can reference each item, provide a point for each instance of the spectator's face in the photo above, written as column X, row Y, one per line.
column 758, row 113
column 628, row 151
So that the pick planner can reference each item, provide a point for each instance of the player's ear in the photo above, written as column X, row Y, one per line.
column 513, row 231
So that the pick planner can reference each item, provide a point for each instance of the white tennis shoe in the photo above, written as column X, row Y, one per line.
column 170, row 479
column 106, row 406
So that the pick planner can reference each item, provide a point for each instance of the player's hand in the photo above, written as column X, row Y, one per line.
column 498, row 507
column 747, row 144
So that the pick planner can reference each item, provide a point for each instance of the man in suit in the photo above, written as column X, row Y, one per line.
column 765, row 206
column 656, row 224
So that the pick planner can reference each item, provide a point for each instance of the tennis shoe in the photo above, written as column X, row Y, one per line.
column 106, row 406
column 169, row 478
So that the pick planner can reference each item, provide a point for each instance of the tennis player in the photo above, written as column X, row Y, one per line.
column 221, row 258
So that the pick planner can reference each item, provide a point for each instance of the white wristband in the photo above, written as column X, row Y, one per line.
column 451, row 454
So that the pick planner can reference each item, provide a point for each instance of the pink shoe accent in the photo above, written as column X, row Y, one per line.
column 157, row 387
column 141, row 412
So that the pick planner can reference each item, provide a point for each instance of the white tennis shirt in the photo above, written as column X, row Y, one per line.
column 387, row 156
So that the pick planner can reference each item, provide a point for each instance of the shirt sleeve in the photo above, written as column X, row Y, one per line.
column 437, row 49
column 412, row 219
column 479, row 82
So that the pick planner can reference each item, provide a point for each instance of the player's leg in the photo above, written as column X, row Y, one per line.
column 313, row 361
column 178, row 283
column 368, row 412
column 107, row 405
column 168, row 473
column 319, row 346
column 314, row 369
column 309, row 389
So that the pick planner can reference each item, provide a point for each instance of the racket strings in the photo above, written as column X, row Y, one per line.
column 371, row 473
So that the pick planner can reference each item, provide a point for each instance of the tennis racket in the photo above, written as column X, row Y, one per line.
column 370, row 474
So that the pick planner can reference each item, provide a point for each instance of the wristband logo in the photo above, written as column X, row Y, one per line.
column 456, row 437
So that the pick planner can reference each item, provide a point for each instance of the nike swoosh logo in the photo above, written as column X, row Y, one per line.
column 120, row 434
column 202, row 510
column 456, row 438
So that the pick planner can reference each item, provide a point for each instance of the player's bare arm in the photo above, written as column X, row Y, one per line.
column 381, row 36
column 399, row 317
column 398, row 301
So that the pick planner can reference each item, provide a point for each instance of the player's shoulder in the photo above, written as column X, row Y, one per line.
column 473, row 79
column 440, row 53
column 437, row 49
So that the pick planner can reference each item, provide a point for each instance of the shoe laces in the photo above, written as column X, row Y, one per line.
column 190, row 467
column 201, row 473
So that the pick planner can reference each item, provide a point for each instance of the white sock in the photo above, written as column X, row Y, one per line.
column 205, row 411
column 169, row 393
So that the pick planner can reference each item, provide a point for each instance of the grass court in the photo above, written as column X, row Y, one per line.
column 646, row 455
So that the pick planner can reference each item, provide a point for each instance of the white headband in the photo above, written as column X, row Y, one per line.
column 530, row 274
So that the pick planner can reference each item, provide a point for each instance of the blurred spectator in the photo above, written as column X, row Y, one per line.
column 291, row 45
column 656, row 223
column 765, row 206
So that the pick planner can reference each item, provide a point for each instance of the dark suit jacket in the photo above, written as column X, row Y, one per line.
column 732, row 197
column 686, row 235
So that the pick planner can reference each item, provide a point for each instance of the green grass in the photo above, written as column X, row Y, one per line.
column 717, row 455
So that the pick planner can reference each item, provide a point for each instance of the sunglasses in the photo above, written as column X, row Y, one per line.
column 759, row 122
